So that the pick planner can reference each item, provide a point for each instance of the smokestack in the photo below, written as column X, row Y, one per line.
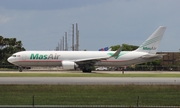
column 63, row 44
column 77, row 38
column 72, row 37
column 66, row 45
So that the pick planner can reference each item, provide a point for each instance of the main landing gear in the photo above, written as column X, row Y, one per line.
column 87, row 70
column 20, row 69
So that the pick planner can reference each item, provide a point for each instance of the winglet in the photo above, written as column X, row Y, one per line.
column 116, row 54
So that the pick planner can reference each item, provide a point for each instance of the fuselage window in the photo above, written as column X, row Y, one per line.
column 18, row 56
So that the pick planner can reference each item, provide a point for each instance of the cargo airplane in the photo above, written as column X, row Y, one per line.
column 85, row 59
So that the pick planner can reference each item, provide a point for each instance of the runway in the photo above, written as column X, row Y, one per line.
column 90, row 80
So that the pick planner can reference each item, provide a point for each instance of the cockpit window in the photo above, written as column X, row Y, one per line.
column 14, row 55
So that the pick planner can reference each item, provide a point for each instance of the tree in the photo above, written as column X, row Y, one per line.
column 126, row 47
column 1, row 42
column 12, row 41
column 114, row 48
column 8, row 46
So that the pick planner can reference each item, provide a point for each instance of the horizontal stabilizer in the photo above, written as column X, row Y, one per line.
column 152, row 56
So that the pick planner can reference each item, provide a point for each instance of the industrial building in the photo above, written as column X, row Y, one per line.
column 171, row 60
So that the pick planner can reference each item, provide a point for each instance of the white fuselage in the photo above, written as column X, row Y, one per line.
column 55, row 58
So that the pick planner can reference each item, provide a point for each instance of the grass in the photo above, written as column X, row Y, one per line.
column 164, row 95
column 160, row 95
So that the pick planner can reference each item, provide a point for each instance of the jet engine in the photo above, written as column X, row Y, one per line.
column 69, row 65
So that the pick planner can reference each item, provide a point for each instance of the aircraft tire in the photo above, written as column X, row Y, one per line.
column 20, row 69
column 86, row 70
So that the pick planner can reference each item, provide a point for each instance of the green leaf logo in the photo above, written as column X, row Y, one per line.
column 116, row 57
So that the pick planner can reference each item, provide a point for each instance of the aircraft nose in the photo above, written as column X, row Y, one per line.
column 9, row 59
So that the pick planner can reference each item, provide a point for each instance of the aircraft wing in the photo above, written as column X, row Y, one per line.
column 90, row 60
column 109, row 49
column 116, row 54
column 93, row 60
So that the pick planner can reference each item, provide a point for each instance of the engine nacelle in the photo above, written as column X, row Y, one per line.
column 69, row 65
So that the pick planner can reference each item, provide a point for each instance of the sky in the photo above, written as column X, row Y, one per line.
column 40, row 24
